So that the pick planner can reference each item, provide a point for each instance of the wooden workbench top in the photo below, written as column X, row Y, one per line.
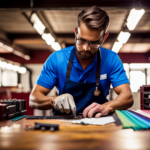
column 72, row 137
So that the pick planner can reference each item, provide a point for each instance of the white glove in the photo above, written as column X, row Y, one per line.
column 64, row 103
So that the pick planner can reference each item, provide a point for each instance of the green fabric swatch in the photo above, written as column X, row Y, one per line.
column 126, row 122
column 137, row 120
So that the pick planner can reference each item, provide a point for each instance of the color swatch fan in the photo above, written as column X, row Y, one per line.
column 136, row 119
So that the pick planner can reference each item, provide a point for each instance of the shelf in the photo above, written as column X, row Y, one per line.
column 148, row 92
column 144, row 97
column 146, row 100
column 146, row 106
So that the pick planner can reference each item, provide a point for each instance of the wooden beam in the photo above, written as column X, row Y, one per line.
column 3, row 36
column 67, row 4
column 29, row 38
column 43, row 55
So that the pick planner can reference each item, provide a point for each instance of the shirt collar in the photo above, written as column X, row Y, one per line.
column 75, row 60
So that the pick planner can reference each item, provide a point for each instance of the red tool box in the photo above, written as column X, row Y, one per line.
column 10, row 108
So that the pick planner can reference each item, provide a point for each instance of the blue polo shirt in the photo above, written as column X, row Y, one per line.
column 55, row 68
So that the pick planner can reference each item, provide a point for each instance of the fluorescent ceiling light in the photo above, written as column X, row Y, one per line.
column 1, row 44
column 9, row 66
column 35, row 19
column 139, row 66
column 48, row 38
column 38, row 29
column 44, row 36
column 37, row 24
column 15, row 68
column 27, row 57
column 18, row 53
column 22, row 70
column 8, row 48
column 49, row 42
column 3, row 64
column 123, row 37
column 56, row 46
column 117, row 46
column 134, row 17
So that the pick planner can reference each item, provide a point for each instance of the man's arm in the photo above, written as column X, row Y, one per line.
column 39, row 100
column 124, row 100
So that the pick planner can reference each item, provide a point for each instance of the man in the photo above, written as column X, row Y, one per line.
column 83, row 73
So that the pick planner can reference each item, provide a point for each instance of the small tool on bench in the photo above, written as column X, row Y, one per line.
column 43, row 127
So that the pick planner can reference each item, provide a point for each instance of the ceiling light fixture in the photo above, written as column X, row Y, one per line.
column 117, row 46
column 22, row 70
column 38, row 29
column 123, row 37
column 56, row 46
column 20, row 54
column 9, row 66
column 1, row 44
column 3, row 64
column 8, row 48
column 43, row 31
column 27, row 57
column 135, row 15
column 15, row 68
column 130, row 23
column 37, row 23
column 48, row 38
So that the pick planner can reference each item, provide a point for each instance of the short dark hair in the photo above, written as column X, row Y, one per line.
column 94, row 18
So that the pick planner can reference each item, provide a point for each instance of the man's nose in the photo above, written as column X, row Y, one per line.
column 87, row 46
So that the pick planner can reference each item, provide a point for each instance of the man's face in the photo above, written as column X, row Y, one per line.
column 86, row 52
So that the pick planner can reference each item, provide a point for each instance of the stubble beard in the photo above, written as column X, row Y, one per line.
column 88, row 56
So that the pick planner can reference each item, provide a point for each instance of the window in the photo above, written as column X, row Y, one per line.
column 9, row 78
column 137, row 79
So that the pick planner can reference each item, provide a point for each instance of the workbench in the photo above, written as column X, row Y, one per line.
column 72, row 137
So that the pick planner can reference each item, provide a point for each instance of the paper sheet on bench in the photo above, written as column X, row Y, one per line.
column 96, row 121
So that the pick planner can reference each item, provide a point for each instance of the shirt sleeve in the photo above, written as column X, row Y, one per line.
column 117, row 72
column 48, row 75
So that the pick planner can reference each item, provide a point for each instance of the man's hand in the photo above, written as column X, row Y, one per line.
column 64, row 103
column 95, row 108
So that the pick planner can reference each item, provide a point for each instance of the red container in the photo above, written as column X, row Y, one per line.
column 2, row 111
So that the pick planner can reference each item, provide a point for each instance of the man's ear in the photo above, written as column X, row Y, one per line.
column 75, row 31
column 105, row 37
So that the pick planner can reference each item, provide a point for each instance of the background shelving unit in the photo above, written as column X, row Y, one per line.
column 145, row 97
